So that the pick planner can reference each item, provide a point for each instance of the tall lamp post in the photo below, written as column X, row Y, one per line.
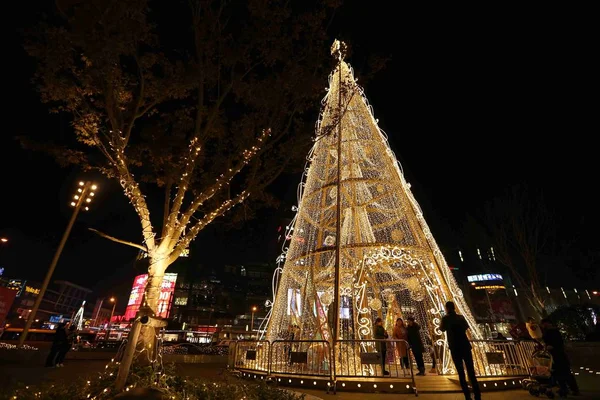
column 114, row 301
column 81, row 199
column 252, row 321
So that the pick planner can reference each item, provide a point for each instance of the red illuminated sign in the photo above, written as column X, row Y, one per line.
column 137, row 293
column 7, row 296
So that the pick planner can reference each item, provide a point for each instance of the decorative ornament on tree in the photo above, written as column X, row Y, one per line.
column 327, row 298
column 375, row 304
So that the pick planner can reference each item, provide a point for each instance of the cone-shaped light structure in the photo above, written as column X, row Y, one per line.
column 359, row 247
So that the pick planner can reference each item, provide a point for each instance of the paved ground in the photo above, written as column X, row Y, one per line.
column 34, row 374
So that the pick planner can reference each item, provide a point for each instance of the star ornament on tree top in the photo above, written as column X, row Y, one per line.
column 339, row 49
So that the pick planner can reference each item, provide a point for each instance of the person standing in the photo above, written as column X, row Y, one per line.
column 561, row 365
column 58, row 342
column 456, row 327
column 62, row 353
column 380, row 333
column 416, row 344
column 400, row 334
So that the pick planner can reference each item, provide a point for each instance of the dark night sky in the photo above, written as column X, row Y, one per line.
column 471, row 106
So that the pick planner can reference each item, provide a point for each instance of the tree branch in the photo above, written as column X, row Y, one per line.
column 135, row 195
column 208, row 218
column 166, row 206
column 138, row 102
column 221, row 182
column 114, row 239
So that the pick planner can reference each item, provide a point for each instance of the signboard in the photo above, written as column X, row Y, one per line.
column 7, row 296
column 32, row 290
column 137, row 294
column 55, row 319
column 494, row 357
column 300, row 357
column 484, row 277
column 370, row 358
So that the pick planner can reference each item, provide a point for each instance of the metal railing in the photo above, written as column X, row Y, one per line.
column 301, row 357
column 253, row 355
column 500, row 358
column 364, row 358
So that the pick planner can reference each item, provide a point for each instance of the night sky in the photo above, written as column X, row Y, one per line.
column 471, row 106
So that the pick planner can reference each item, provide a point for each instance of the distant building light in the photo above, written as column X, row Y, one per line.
column 493, row 287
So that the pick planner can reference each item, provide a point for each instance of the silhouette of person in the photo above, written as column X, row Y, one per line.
column 380, row 333
column 58, row 342
column 561, row 365
column 456, row 327
column 416, row 344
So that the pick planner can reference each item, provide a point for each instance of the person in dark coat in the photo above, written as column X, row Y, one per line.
column 456, row 327
column 58, row 343
column 380, row 333
column 62, row 353
column 561, row 366
column 416, row 344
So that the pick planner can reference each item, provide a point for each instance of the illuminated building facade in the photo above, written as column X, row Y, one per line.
column 60, row 303
column 165, row 301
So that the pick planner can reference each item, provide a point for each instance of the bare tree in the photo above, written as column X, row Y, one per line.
column 209, row 119
column 521, row 228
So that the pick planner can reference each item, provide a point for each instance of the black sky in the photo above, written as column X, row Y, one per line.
column 473, row 101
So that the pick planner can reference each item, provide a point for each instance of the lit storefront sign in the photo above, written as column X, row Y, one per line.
column 7, row 297
column 484, row 277
column 21, row 287
column 137, row 293
column 489, row 287
column 32, row 290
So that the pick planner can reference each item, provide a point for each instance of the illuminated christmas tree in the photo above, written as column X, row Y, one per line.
column 359, row 247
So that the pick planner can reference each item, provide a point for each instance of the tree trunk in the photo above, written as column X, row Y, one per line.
column 147, row 340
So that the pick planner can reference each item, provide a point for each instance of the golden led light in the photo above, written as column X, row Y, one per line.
column 359, row 239
column 87, row 209
column 92, row 194
column 88, row 200
column 81, row 183
column 80, row 190
column 76, row 197
column 94, row 187
column 73, row 203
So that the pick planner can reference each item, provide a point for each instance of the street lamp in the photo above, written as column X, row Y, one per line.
column 3, row 241
column 83, row 196
column 252, row 322
column 114, row 301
